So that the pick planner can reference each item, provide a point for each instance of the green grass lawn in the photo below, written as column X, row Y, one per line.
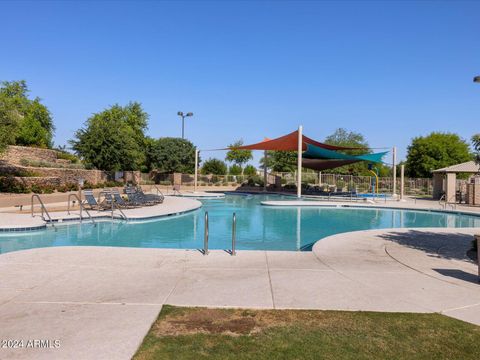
column 200, row 333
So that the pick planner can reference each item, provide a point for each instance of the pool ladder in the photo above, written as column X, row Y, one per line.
column 206, row 234
column 82, row 208
column 44, row 209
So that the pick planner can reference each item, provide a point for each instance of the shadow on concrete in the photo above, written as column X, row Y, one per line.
column 459, row 274
column 440, row 245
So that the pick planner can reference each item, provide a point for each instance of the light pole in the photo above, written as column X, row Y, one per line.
column 183, row 116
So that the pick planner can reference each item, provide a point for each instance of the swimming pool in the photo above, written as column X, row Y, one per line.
column 258, row 227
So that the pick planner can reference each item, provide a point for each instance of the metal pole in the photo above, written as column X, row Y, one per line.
column 299, row 161
column 183, row 127
column 196, row 171
column 402, row 181
column 265, row 171
column 205, row 235
column 79, row 199
column 394, row 170
column 234, row 233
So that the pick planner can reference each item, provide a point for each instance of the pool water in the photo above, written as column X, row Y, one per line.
column 258, row 227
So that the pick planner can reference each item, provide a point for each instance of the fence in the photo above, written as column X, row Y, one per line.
column 326, row 182
column 362, row 184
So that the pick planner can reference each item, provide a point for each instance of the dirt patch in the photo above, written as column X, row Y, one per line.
column 236, row 322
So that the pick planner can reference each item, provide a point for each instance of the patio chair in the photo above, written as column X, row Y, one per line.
column 137, row 199
column 92, row 203
column 120, row 201
column 158, row 199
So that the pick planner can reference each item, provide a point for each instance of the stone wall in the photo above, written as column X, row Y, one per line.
column 15, row 154
column 65, row 175
column 39, row 181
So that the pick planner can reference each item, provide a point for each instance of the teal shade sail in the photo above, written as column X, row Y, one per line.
column 315, row 152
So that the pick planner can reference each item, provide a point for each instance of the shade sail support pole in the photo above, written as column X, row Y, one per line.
column 394, row 171
column 299, row 161
column 196, row 170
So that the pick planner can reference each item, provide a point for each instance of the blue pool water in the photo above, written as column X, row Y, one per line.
column 258, row 227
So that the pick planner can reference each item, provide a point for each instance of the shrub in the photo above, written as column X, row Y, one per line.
column 255, row 181
column 235, row 170
column 47, row 164
column 250, row 170
column 10, row 185
column 63, row 155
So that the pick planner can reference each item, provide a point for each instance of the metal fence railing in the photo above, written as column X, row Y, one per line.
column 326, row 182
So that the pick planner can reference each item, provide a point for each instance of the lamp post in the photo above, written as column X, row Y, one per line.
column 183, row 116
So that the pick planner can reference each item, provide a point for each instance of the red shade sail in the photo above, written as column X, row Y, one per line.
column 290, row 143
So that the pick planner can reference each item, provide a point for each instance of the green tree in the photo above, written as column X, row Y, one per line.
column 280, row 161
column 28, row 121
column 169, row 155
column 215, row 167
column 476, row 147
column 109, row 141
column 250, row 170
column 10, row 119
column 238, row 156
column 345, row 138
column 435, row 151
column 235, row 170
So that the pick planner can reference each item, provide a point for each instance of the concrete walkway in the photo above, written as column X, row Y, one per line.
column 171, row 205
column 99, row 302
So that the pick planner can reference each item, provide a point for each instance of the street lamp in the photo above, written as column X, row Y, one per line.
column 476, row 79
column 183, row 116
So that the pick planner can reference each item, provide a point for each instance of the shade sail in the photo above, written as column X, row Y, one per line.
column 290, row 143
column 315, row 152
column 321, row 164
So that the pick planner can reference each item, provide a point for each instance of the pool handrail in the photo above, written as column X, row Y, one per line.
column 44, row 209
column 81, row 208
column 205, row 235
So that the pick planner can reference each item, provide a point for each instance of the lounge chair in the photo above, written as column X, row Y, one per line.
column 158, row 199
column 120, row 201
column 137, row 199
column 92, row 202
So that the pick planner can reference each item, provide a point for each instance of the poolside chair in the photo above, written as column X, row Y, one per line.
column 136, row 198
column 92, row 203
column 158, row 199
column 120, row 201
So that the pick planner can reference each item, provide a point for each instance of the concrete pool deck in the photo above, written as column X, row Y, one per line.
column 101, row 301
column 171, row 205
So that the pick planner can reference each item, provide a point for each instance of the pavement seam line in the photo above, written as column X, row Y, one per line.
column 460, row 308
column 423, row 273
column 180, row 278
column 270, row 280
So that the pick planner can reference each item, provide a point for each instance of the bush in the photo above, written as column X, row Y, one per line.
column 47, row 164
column 235, row 170
column 38, row 189
column 255, row 181
column 63, row 155
column 10, row 185
column 250, row 170
column 67, row 187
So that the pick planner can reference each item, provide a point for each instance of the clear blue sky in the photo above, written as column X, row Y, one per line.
column 390, row 70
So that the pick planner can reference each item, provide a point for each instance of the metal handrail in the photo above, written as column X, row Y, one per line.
column 159, row 192
column 121, row 212
column 234, row 234
column 205, row 235
column 43, row 208
column 81, row 208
